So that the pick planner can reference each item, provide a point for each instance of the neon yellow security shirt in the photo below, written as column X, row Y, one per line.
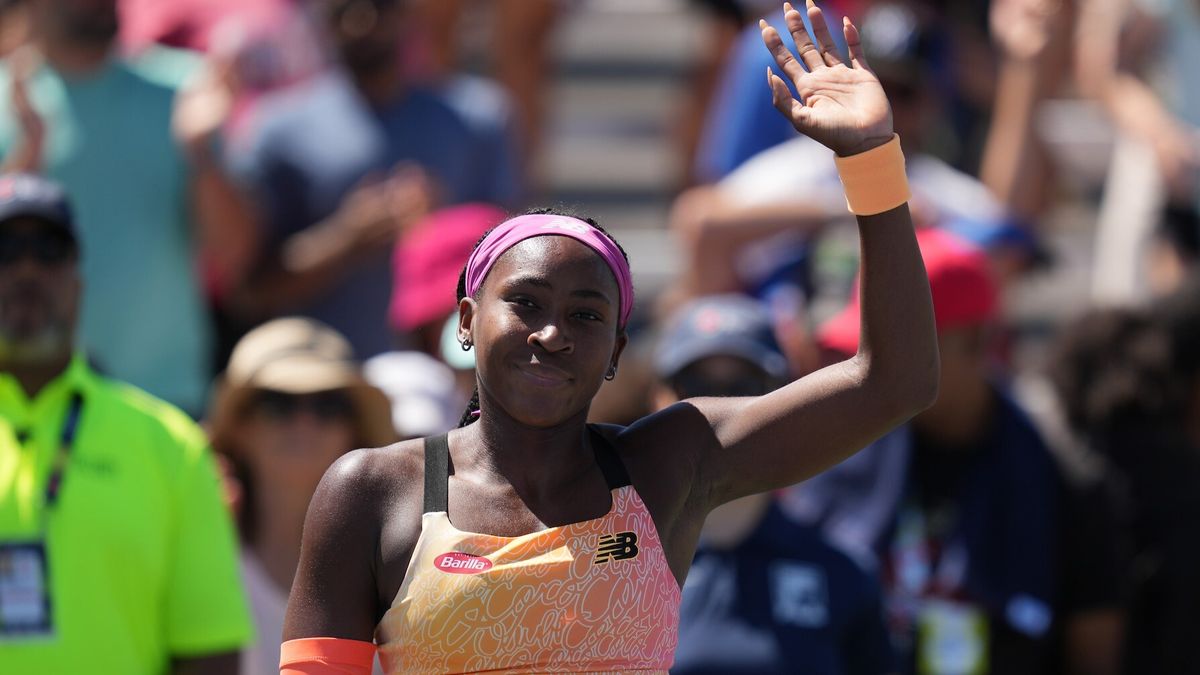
column 140, row 548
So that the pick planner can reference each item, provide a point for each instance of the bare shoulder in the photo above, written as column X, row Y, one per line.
column 362, row 482
column 676, row 436
column 663, row 453
column 342, row 579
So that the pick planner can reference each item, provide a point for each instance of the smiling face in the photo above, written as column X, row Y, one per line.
column 544, row 325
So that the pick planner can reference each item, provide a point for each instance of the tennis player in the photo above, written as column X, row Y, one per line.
column 528, row 540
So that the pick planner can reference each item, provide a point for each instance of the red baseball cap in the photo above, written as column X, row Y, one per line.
column 428, row 260
column 965, row 292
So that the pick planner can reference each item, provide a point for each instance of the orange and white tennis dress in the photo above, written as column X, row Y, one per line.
column 595, row 596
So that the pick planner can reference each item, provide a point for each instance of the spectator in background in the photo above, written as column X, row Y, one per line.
column 428, row 385
column 1129, row 381
column 290, row 403
column 341, row 164
column 1148, row 84
column 764, row 594
column 116, row 552
column 149, row 193
column 753, row 230
column 192, row 24
column 982, row 568
column 522, row 32
column 14, row 26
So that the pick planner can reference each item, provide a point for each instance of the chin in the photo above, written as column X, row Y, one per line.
column 541, row 414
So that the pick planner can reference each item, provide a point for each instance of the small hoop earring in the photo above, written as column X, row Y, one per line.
column 611, row 374
column 466, row 345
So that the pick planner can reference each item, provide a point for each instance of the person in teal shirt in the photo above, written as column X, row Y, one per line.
column 148, row 194
column 117, row 553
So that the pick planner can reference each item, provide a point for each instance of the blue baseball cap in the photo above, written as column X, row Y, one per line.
column 720, row 325
column 25, row 195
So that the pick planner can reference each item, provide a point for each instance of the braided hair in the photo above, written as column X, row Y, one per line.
column 472, row 411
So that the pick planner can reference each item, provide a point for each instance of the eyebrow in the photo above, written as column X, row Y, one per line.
column 542, row 283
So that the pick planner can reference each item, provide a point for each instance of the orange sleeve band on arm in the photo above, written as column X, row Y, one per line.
column 326, row 656
column 874, row 180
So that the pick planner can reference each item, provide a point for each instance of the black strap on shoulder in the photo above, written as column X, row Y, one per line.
column 437, row 473
column 610, row 463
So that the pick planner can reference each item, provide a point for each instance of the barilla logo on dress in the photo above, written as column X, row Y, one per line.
column 455, row 562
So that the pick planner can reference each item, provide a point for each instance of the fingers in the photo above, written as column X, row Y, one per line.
column 858, row 57
column 781, row 97
column 825, row 44
column 783, row 56
column 809, row 53
column 782, row 100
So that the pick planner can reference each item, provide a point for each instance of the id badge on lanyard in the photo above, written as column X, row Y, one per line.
column 24, row 591
column 951, row 636
column 26, row 610
column 952, row 639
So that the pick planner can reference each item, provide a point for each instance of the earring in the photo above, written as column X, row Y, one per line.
column 611, row 374
column 466, row 345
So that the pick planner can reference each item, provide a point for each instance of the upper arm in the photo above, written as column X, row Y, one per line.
column 780, row 439
column 334, row 592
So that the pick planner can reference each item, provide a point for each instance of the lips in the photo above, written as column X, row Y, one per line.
column 544, row 375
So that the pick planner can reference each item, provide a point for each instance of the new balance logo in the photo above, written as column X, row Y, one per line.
column 619, row 546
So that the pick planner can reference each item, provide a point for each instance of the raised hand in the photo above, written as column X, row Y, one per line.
column 841, row 106
column 204, row 105
column 27, row 152
column 1023, row 28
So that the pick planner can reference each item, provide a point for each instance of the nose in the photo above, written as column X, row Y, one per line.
column 552, row 339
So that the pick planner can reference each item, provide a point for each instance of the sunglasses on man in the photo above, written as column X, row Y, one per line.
column 49, row 246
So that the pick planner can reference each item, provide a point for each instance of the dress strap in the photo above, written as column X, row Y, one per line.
column 610, row 463
column 437, row 473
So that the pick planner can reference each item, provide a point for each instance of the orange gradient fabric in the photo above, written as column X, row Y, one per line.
column 595, row 596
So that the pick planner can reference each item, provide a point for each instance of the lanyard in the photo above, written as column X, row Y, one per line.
column 66, row 440
column 917, row 574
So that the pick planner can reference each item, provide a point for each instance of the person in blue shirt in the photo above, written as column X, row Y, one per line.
column 988, row 562
column 764, row 594
column 343, row 163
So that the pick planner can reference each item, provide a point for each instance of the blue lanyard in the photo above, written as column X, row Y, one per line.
column 66, row 440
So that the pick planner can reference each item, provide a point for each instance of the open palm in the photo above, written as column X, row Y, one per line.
column 841, row 106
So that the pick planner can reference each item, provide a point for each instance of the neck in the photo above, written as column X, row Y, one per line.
column 279, row 522
column 537, row 462
column 381, row 85
column 33, row 376
column 73, row 58
column 959, row 417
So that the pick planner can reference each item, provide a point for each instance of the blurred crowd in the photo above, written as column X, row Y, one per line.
column 257, row 211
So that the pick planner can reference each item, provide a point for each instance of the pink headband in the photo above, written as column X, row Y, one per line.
column 509, row 233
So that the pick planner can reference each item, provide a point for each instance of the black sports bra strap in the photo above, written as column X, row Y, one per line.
column 437, row 473
column 610, row 463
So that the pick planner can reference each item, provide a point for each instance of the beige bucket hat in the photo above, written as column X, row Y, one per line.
column 298, row 356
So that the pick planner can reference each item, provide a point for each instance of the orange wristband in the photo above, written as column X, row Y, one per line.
column 874, row 180
column 326, row 656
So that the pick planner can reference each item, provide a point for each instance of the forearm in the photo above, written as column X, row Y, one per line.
column 717, row 238
column 897, row 349
column 23, row 158
column 308, row 263
column 228, row 229
column 1011, row 168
